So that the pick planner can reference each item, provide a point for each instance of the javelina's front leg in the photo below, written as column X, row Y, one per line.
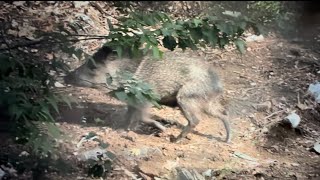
column 137, row 114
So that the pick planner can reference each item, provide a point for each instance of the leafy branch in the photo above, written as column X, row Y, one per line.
column 155, row 29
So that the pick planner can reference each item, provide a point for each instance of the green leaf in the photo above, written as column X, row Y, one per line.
column 45, row 110
column 223, row 41
column 225, row 28
column 242, row 25
column 53, row 130
column 98, row 120
column 122, row 96
column 197, row 22
column 240, row 45
column 104, row 145
column 146, row 49
column 16, row 111
column 169, row 42
column 67, row 100
column 119, row 50
column 53, row 102
column 196, row 34
column 211, row 36
column 166, row 32
column 156, row 52
column 110, row 25
column 110, row 155
column 182, row 44
column 91, row 135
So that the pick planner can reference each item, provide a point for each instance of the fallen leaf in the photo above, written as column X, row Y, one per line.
column 316, row 147
column 12, row 32
column 170, row 165
column 244, row 156
column 135, row 151
column 49, row 56
column 14, row 23
column 18, row 3
column 58, row 85
column 302, row 106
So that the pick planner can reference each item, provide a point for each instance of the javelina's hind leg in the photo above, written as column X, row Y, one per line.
column 223, row 116
column 188, row 106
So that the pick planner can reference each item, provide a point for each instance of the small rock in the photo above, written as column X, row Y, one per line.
column 12, row 32
column 253, row 84
column 295, row 164
column 302, row 106
column 185, row 174
column 265, row 130
column 91, row 154
column 14, row 23
column 275, row 147
column 19, row 3
column 286, row 150
column 294, row 119
column 316, row 147
column 2, row 173
column 24, row 153
column 34, row 50
column 207, row 173
column 252, row 128
column 78, row 4
column 253, row 38
column 58, row 85
column 169, row 165
column 283, row 99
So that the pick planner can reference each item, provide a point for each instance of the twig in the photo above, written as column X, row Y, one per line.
column 43, row 40
column 97, row 6
column 274, row 113
column 86, row 35
column 5, row 41
column 22, row 45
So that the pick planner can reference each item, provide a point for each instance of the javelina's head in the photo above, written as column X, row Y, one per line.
column 91, row 72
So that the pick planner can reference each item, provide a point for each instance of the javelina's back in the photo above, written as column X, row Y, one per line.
column 169, row 74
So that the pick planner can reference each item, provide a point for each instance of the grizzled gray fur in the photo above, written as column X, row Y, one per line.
column 179, row 79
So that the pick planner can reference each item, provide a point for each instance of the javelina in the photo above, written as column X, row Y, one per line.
column 189, row 82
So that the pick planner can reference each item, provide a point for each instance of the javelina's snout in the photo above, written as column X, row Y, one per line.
column 92, row 72
column 83, row 76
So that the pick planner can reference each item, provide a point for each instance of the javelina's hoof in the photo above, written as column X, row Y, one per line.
column 132, row 128
column 175, row 139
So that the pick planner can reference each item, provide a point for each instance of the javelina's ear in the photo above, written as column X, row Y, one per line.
column 99, row 57
column 102, row 54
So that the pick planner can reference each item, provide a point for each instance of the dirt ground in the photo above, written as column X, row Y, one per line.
column 262, row 87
